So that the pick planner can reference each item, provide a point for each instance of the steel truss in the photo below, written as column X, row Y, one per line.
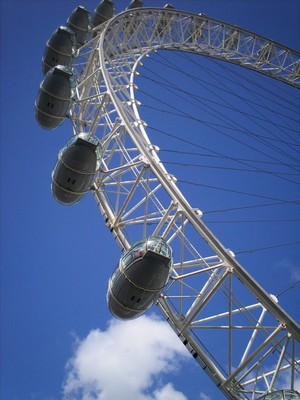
column 236, row 331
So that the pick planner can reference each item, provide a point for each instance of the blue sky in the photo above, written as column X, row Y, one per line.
column 56, row 261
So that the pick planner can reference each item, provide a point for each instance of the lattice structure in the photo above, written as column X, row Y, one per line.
column 234, row 329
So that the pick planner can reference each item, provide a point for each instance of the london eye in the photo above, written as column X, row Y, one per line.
column 207, row 296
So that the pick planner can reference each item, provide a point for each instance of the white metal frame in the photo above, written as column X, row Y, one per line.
column 236, row 331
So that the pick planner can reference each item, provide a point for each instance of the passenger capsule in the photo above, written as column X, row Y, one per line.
column 281, row 395
column 135, row 4
column 138, row 280
column 60, row 49
column 54, row 97
column 80, row 23
column 104, row 11
column 76, row 167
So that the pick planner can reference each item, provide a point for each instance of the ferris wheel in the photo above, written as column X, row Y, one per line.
column 209, row 297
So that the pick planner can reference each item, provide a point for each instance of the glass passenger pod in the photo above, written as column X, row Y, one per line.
column 141, row 275
column 103, row 12
column 60, row 49
column 80, row 21
column 76, row 168
column 281, row 395
column 55, row 96
column 88, row 138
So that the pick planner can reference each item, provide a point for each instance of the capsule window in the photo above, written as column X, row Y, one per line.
column 50, row 105
column 132, row 298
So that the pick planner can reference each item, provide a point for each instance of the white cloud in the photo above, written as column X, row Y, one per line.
column 293, row 270
column 295, row 274
column 285, row 381
column 124, row 361
column 168, row 393
column 204, row 396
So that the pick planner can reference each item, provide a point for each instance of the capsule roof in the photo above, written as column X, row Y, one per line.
column 88, row 139
column 168, row 5
column 135, row 4
column 155, row 244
